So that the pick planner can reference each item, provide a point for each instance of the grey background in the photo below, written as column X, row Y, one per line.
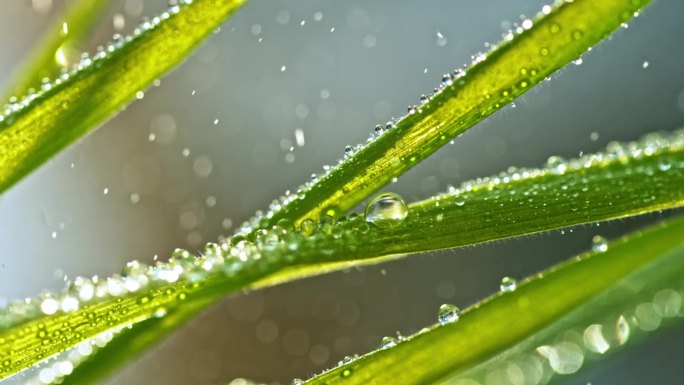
column 59, row 221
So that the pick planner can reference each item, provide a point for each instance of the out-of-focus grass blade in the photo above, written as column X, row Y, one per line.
column 548, row 325
column 38, row 126
column 52, row 54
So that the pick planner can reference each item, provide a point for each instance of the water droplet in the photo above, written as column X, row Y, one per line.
column 448, row 313
column 599, row 244
column 622, row 330
column 347, row 360
column 49, row 306
column 348, row 151
column 664, row 164
column 297, row 381
column 508, row 284
column 307, row 227
column 446, row 80
column 386, row 210
column 387, row 342
column 556, row 165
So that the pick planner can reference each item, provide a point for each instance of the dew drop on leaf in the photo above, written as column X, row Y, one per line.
column 387, row 342
column 386, row 210
column 622, row 330
column 599, row 244
column 448, row 313
column 508, row 284
column 664, row 164
column 307, row 227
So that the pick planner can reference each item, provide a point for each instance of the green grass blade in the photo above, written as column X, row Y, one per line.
column 541, row 317
column 78, row 21
column 584, row 192
column 509, row 70
column 38, row 126
column 130, row 343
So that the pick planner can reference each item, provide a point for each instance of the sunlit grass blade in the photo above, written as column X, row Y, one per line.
column 54, row 53
column 550, row 324
column 559, row 35
column 41, row 124
column 595, row 187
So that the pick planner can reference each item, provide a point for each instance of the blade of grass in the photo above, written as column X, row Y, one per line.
column 40, row 125
column 66, row 34
column 596, row 187
column 561, row 299
column 559, row 35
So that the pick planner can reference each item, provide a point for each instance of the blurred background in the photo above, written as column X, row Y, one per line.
column 215, row 141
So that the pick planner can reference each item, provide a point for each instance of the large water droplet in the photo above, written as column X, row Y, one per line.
column 508, row 284
column 386, row 210
column 448, row 313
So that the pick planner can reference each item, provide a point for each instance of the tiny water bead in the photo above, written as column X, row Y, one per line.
column 599, row 244
column 386, row 210
column 448, row 313
column 508, row 284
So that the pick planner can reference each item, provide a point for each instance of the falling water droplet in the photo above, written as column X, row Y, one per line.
column 508, row 284
column 599, row 244
column 448, row 313
column 386, row 210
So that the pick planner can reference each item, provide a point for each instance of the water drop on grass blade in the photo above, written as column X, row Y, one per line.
column 448, row 313
column 387, row 342
column 508, row 284
column 599, row 244
column 386, row 210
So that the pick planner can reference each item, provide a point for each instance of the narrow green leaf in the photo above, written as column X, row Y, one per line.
column 129, row 343
column 38, row 126
column 595, row 187
column 494, row 80
column 51, row 54
column 541, row 328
